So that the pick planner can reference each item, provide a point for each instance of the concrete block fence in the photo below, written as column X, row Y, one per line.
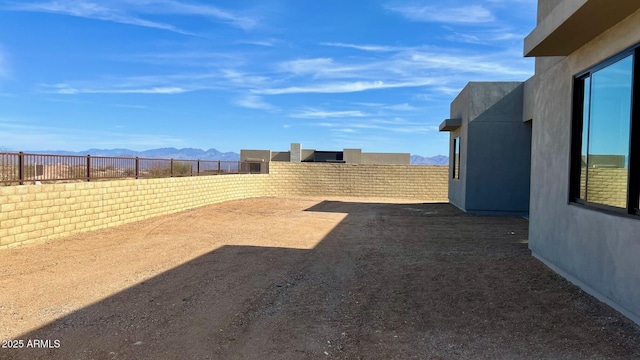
column 37, row 213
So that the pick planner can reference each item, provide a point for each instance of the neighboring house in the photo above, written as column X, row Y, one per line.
column 490, row 149
column 348, row 156
column 584, row 107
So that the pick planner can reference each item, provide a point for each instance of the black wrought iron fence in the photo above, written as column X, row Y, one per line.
column 21, row 168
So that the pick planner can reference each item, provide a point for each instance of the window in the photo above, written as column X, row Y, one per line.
column 606, row 125
column 456, row 157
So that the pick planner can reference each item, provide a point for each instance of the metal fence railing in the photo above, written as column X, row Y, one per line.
column 21, row 168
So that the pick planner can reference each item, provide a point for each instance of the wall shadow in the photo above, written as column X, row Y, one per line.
column 390, row 281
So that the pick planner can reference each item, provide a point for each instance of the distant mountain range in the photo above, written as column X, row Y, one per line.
column 434, row 160
column 162, row 153
column 199, row 154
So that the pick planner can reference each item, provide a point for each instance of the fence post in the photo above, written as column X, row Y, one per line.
column 218, row 167
column 198, row 168
column 171, row 167
column 137, row 167
column 88, row 167
column 21, row 168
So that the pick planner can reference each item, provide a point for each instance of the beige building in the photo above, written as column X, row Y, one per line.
column 347, row 156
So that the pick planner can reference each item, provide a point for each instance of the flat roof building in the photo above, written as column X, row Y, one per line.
column 348, row 156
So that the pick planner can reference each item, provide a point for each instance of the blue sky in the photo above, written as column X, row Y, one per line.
column 139, row 74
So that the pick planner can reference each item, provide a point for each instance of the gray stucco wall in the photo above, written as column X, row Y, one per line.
column 386, row 158
column 545, row 7
column 499, row 146
column 262, row 155
column 598, row 251
column 495, row 149
column 352, row 156
column 280, row 156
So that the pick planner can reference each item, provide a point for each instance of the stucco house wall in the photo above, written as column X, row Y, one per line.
column 494, row 149
column 596, row 250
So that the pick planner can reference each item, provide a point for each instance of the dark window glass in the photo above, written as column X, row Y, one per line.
column 602, row 141
column 456, row 158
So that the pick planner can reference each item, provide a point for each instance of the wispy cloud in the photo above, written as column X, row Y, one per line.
column 322, row 114
column 91, row 10
column 450, row 15
column 374, row 48
column 23, row 135
column 131, row 12
column 272, row 42
column 306, row 66
column 400, row 107
column 181, row 57
column 127, row 106
column 181, row 8
column 243, row 80
column 252, row 101
column 345, row 87
column 485, row 64
column 489, row 37
column 393, row 125
column 395, row 107
column 65, row 89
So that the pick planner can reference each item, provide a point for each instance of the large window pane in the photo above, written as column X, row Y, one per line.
column 608, row 137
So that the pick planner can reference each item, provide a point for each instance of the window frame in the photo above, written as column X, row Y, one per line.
column 456, row 158
column 632, row 208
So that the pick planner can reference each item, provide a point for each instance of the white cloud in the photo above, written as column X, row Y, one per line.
column 490, row 37
column 373, row 48
column 242, row 80
column 404, row 67
column 177, row 7
column 345, row 87
column 377, row 125
column 320, row 114
column 345, row 130
column 65, row 89
column 492, row 64
column 21, row 136
column 91, row 10
column 182, row 57
column 400, row 107
column 455, row 15
column 266, row 42
column 127, row 106
column 306, row 66
column 254, row 102
column 130, row 11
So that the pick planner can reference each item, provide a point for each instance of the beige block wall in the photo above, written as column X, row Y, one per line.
column 34, row 213
column 427, row 183
column 607, row 186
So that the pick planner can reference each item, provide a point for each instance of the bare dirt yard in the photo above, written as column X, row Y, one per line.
column 302, row 278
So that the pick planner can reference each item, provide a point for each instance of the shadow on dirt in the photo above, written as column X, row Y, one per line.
column 390, row 281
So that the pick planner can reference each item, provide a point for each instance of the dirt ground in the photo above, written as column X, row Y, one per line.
column 302, row 278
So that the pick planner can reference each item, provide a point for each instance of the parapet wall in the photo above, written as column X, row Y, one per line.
column 35, row 213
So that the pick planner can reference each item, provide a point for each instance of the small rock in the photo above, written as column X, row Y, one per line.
column 138, row 343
